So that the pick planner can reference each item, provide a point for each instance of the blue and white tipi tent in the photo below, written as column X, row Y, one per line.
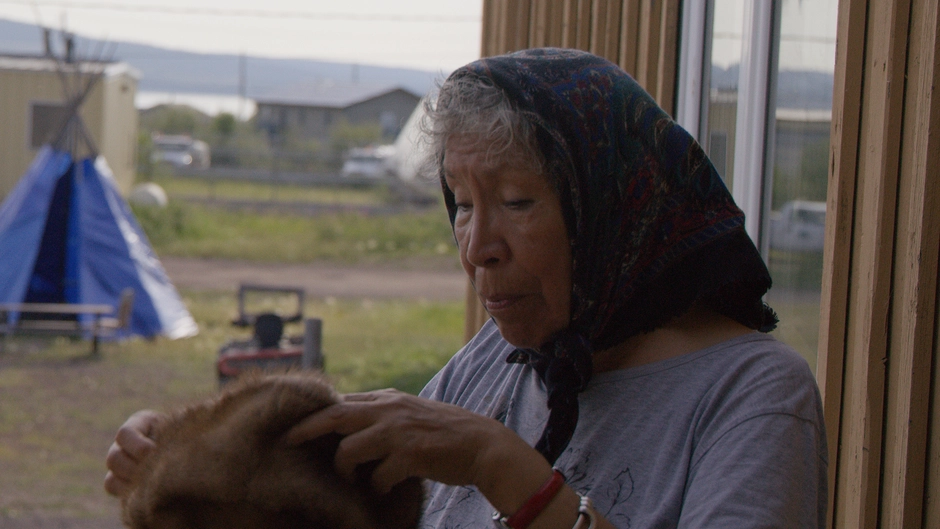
column 68, row 236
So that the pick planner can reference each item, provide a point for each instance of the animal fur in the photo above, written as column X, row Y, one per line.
column 223, row 464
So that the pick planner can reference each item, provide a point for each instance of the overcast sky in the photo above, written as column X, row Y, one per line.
column 435, row 35
column 807, row 28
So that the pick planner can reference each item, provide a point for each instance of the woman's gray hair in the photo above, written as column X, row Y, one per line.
column 474, row 107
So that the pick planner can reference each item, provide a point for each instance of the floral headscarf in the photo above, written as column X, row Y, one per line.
column 651, row 225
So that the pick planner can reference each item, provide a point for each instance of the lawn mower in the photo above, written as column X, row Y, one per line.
column 269, row 347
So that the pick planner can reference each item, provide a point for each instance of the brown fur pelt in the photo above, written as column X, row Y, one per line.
column 223, row 464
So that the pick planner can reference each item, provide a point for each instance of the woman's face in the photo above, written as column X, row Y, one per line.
column 513, row 242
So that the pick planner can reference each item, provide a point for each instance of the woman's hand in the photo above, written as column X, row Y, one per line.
column 131, row 446
column 413, row 436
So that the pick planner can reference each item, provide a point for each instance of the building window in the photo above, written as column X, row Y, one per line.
column 762, row 72
column 718, row 150
column 46, row 120
column 389, row 123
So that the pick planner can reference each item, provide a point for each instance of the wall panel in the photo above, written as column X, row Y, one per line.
column 869, row 300
column 932, row 479
column 606, row 28
column 915, row 280
column 840, row 208
column 629, row 34
column 639, row 35
column 878, row 362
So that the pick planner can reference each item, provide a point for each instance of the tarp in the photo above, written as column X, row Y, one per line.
column 67, row 236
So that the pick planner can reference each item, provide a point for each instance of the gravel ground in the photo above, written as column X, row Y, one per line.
column 59, row 523
column 443, row 283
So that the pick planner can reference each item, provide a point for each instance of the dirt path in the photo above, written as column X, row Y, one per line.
column 319, row 280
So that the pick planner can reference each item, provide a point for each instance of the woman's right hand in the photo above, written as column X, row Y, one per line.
column 131, row 446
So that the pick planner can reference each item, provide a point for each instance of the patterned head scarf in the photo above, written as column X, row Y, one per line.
column 652, row 227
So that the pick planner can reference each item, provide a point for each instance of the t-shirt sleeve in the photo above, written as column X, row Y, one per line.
column 764, row 472
column 436, row 388
column 761, row 456
column 460, row 371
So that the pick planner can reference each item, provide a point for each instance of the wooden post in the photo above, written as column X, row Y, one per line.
column 914, row 284
column 629, row 35
column 312, row 355
column 840, row 207
column 878, row 334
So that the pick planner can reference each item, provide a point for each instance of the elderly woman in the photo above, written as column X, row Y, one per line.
column 621, row 381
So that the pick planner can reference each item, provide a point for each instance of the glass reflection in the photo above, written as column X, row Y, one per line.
column 727, row 34
column 798, row 147
column 796, row 228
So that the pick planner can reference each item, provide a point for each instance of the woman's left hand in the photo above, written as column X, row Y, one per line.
column 413, row 436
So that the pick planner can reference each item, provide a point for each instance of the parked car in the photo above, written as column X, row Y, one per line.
column 180, row 151
column 799, row 226
column 369, row 162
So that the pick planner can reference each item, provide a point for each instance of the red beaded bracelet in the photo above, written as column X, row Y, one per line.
column 534, row 505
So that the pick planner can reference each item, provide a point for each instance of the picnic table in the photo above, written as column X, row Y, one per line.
column 61, row 319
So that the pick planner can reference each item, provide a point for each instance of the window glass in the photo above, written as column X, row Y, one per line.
column 792, row 188
column 46, row 121
column 721, row 109
column 800, row 158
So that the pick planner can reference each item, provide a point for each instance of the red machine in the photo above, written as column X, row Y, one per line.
column 269, row 347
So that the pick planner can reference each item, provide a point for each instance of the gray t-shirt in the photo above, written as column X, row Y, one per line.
column 728, row 436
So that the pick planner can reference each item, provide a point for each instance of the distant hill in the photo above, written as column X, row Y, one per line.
column 165, row 70
column 795, row 88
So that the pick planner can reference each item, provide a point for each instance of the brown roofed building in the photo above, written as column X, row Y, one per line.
column 312, row 110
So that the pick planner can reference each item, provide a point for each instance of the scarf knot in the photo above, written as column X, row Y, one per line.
column 564, row 363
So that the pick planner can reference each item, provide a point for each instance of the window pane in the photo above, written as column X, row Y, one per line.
column 721, row 110
column 47, row 120
column 800, row 168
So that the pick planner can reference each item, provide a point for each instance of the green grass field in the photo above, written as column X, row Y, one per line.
column 231, row 189
column 799, row 327
column 59, row 409
column 193, row 230
column 795, row 296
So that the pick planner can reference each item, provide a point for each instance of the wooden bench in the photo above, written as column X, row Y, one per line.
column 72, row 323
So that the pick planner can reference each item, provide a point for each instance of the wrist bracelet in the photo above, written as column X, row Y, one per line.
column 534, row 505
column 587, row 516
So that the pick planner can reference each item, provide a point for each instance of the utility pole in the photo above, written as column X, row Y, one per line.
column 242, row 84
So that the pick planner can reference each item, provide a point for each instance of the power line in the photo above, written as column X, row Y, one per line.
column 252, row 13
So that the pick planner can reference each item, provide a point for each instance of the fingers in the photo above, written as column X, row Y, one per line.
column 116, row 486
column 406, row 435
column 356, row 412
column 136, row 445
column 120, row 462
column 327, row 420
column 131, row 446
column 361, row 447
column 359, row 418
column 390, row 472
column 371, row 395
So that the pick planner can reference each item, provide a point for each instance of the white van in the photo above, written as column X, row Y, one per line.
column 180, row 151
column 799, row 226
column 369, row 162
